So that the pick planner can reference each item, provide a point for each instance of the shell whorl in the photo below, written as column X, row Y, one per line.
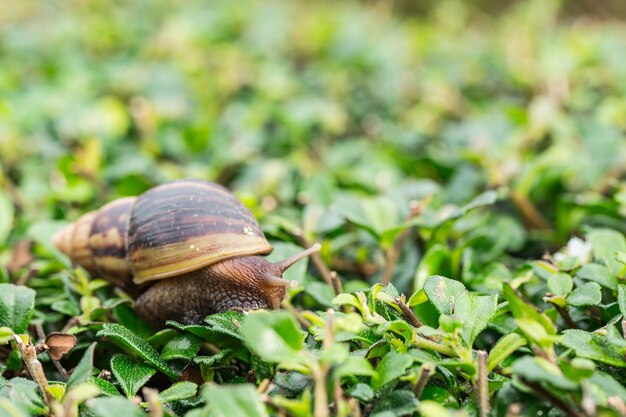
column 97, row 241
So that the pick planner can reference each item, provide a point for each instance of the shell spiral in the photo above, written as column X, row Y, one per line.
column 169, row 230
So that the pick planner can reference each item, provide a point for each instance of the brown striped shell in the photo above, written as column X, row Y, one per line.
column 171, row 229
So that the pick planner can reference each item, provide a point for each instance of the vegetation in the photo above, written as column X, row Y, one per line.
column 464, row 174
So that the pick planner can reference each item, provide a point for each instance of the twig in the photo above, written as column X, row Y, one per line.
column 338, row 397
column 482, row 385
column 555, row 401
column 320, row 372
column 393, row 253
column 29, row 356
column 154, row 402
column 424, row 343
column 289, row 307
column 263, row 386
column 529, row 212
column 70, row 323
column 408, row 314
column 565, row 315
column 338, row 287
column 355, row 408
column 330, row 335
column 514, row 410
column 320, row 407
column 315, row 257
column 370, row 406
column 618, row 404
column 425, row 372
column 336, row 282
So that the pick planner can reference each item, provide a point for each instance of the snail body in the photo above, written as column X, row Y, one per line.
column 189, row 248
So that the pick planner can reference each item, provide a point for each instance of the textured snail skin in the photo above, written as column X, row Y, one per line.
column 234, row 284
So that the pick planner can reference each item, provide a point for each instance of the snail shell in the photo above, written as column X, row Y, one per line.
column 169, row 230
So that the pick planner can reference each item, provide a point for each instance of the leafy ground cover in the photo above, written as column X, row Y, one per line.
column 464, row 174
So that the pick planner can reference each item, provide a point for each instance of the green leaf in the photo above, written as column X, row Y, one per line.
column 346, row 299
column 373, row 214
column 183, row 346
column 6, row 335
column 203, row 332
column 392, row 366
column 362, row 392
column 16, row 306
column 522, row 310
column 417, row 298
column 503, row 349
column 137, row 346
column 436, row 261
column 114, row 407
column 234, row 400
column 593, row 346
column 560, row 284
column 321, row 292
column 354, row 365
column 606, row 244
column 106, row 387
column 24, row 393
column 588, row 294
column 228, row 323
column 274, row 336
column 444, row 293
column 607, row 384
column 10, row 409
column 83, row 369
column 536, row 369
column 598, row 273
column 621, row 299
column 7, row 212
column 211, row 360
column 131, row 375
column 179, row 391
column 475, row 311
column 433, row 409
column 396, row 403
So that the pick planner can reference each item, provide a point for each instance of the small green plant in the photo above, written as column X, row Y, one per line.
column 464, row 174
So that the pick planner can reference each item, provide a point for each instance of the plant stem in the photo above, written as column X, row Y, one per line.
column 425, row 372
column 482, row 385
column 155, row 408
column 555, row 401
column 529, row 212
column 338, row 290
column 289, row 307
column 408, row 314
column 338, row 397
column 423, row 343
column 320, row 371
column 320, row 407
column 315, row 257
column 29, row 356
column 513, row 410
column 565, row 315
column 334, row 277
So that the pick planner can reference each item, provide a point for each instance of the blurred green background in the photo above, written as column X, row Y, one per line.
column 331, row 117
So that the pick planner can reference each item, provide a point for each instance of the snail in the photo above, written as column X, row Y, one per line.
column 189, row 248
